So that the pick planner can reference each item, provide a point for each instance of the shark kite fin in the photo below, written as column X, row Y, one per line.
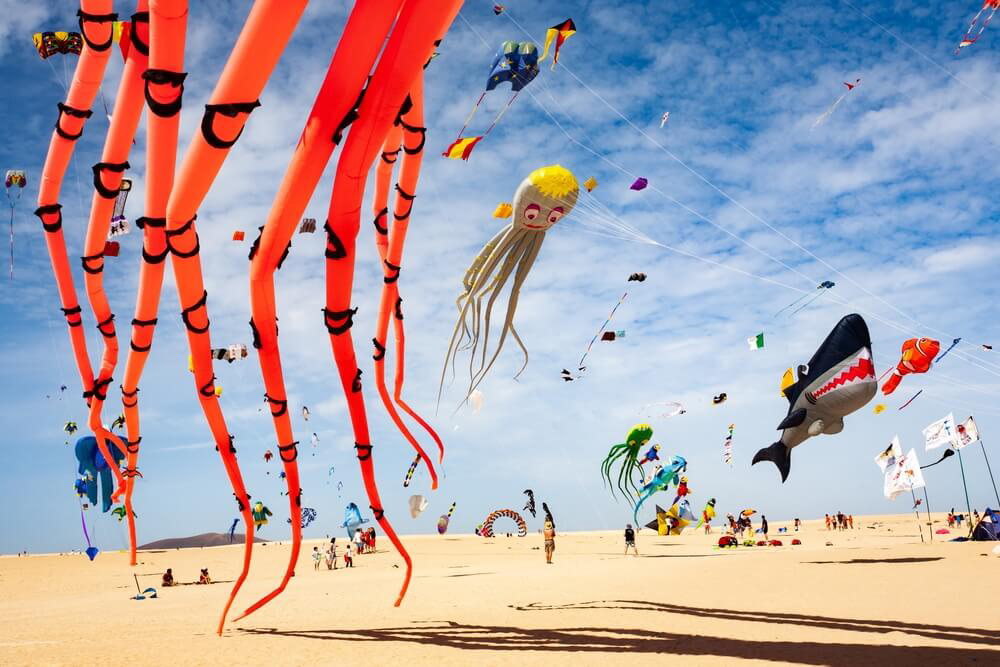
column 777, row 454
column 793, row 419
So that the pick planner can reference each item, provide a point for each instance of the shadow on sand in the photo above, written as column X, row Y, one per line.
column 853, row 561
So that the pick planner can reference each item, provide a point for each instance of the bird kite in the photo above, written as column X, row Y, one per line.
column 560, row 33
column 708, row 513
column 260, row 514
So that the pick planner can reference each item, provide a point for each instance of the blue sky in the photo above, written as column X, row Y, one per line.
column 892, row 197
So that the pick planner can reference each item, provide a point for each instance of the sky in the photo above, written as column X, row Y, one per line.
column 751, row 205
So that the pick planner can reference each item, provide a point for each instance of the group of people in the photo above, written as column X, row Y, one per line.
column 744, row 525
column 364, row 542
column 168, row 578
column 955, row 520
column 839, row 521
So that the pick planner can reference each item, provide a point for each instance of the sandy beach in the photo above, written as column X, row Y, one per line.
column 876, row 596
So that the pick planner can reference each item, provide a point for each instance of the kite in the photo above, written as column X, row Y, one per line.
column 118, row 422
column 230, row 354
column 969, row 39
column 659, row 482
column 239, row 235
column 912, row 398
column 637, row 277
column 515, row 63
column 954, row 342
column 601, row 333
column 498, row 9
column 49, row 44
column 91, row 551
column 70, row 427
column 17, row 180
column 681, row 517
column 787, row 380
column 826, row 114
column 823, row 287
column 119, row 223
column 987, row 347
column 352, row 519
column 652, row 454
column 627, row 453
column 756, row 342
column 260, row 514
column 560, row 33
column 838, row 380
column 487, row 528
column 664, row 119
column 111, row 249
column 879, row 408
column 548, row 515
column 727, row 446
column 917, row 356
column 707, row 514
column 232, row 529
column 590, row 184
column 682, row 489
column 664, row 409
column 476, row 399
column 95, row 469
column 307, row 517
column 417, row 505
column 305, row 413
column 610, row 336
column 545, row 196
column 412, row 469
column 120, row 513
column 308, row 226
column 503, row 211
column 529, row 506
column 748, row 512
column 444, row 519
column 719, row 399
column 268, row 456
column 639, row 184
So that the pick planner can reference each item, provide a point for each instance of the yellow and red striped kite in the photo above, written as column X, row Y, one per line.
column 560, row 33
column 461, row 148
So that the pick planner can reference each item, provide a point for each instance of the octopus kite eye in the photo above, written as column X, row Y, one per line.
column 531, row 212
column 555, row 214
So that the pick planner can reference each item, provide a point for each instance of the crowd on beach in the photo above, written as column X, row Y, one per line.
column 840, row 521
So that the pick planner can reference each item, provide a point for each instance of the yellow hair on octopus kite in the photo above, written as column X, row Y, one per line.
column 554, row 181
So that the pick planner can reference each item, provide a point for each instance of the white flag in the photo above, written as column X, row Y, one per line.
column 904, row 476
column 942, row 432
column 890, row 455
column 968, row 433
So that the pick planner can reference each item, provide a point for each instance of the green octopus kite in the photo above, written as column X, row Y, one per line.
column 638, row 436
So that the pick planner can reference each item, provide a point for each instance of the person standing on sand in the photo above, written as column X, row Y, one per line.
column 317, row 558
column 798, row 524
column 348, row 561
column 630, row 539
column 331, row 557
column 828, row 522
column 763, row 525
column 850, row 521
column 550, row 541
column 358, row 541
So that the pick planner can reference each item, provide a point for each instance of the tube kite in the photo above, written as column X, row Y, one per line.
column 487, row 528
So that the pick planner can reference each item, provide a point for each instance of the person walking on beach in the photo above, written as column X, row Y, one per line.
column 630, row 539
column 358, row 541
column 798, row 524
column 348, row 561
column 317, row 558
column 763, row 525
column 371, row 538
column 850, row 521
column 330, row 558
column 550, row 541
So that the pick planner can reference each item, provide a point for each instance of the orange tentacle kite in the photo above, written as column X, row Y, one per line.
column 420, row 23
column 164, row 88
column 263, row 38
column 96, row 28
column 108, row 176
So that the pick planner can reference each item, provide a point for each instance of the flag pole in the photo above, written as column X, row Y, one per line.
column 927, row 505
column 991, row 472
column 968, row 505
column 917, row 512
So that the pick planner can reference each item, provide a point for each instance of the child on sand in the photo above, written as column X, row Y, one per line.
column 828, row 522
column 317, row 557
column 630, row 539
column 168, row 577
column 550, row 541
column 204, row 578
column 348, row 561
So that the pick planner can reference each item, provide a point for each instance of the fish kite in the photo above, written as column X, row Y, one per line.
column 917, row 356
column 838, row 380
column 529, row 506
column 560, row 33
column 969, row 39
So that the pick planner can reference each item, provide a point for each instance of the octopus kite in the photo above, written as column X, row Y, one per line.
column 545, row 196
column 627, row 454
column 373, row 87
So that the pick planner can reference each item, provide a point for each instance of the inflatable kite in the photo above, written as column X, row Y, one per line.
column 917, row 356
column 515, row 63
column 838, row 380
column 971, row 36
column 94, row 467
column 719, row 399
column 352, row 519
column 660, row 481
column 487, row 528
column 708, row 513
column 417, row 505
column 682, row 489
column 260, row 514
column 680, row 516
column 545, row 196
column 627, row 454
column 444, row 519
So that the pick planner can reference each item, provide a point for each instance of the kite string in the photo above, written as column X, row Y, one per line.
column 601, row 330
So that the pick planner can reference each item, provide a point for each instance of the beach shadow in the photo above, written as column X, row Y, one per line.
column 915, row 559
column 450, row 634
column 942, row 632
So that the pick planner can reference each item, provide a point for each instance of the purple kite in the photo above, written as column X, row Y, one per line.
column 640, row 184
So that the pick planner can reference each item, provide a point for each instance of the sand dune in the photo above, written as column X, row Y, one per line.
column 877, row 596
column 198, row 541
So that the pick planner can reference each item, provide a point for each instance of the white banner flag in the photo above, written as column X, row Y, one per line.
column 968, row 433
column 890, row 455
column 904, row 476
column 940, row 433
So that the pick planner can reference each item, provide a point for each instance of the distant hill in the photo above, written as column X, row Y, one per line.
column 203, row 540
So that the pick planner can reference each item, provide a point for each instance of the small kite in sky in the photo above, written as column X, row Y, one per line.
column 664, row 119
column 639, row 184
column 826, row 114
column 560, row 33
column 969, row 39
column 590, row 184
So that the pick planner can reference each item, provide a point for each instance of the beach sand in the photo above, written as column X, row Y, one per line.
column 876, row 596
